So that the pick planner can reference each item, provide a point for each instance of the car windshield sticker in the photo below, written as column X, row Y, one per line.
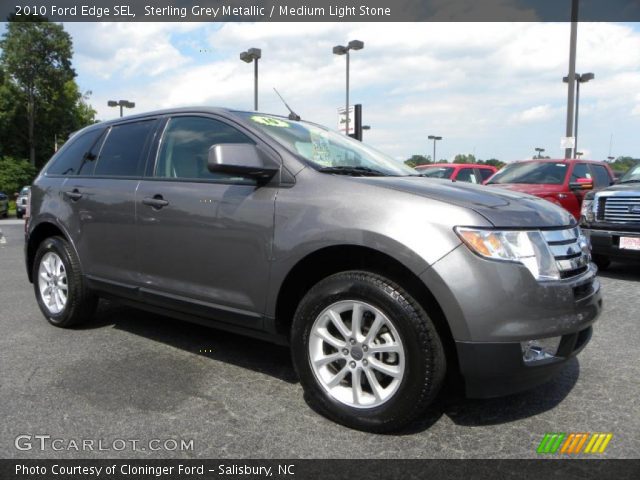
column 270, row 122
column 320, row 148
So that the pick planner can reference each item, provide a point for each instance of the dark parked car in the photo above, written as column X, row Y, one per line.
column 4, row 205
column 380, row 281
column 563, row 182
column 611, row 217
column 460, row 172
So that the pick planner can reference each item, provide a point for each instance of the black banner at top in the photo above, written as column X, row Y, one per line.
column 321, row 10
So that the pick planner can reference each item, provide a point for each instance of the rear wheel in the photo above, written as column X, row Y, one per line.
column 59, row 286
column 366, row 352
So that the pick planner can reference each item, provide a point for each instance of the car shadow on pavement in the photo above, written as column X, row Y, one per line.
column 241, row 351
column 627, row 270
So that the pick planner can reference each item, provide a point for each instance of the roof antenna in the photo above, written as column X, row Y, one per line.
column 292, row 115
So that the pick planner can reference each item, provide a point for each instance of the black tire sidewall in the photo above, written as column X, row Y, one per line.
column 58, row 246
column 424, row 369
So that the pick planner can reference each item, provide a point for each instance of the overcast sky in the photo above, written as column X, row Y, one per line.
column 494, row 90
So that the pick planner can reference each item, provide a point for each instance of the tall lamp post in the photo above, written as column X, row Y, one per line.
column 580, row 78
column 342, row 50
column 539, row 150
column 122, row 104
column 435, row 139
column 252, row 55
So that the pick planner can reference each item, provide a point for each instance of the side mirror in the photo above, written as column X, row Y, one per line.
column 582, row 184
column 241, row 159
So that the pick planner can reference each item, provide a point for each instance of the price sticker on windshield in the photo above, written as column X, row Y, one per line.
column 269, row 121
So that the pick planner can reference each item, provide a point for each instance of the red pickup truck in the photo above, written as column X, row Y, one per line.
column 460, row 172
column 563, row 182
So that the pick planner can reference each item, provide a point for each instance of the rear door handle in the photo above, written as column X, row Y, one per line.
column 156, row 201
column 73, row 194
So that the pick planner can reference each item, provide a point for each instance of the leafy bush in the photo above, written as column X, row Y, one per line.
column 14, row 174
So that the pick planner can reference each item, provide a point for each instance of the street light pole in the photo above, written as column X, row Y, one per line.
column 435, row 139
column 539, row 150
column 253, row 55
column 572, row 73
column 580, row 78
column 122, row 104
column 342, row 50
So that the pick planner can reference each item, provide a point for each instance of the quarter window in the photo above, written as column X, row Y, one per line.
column 580, row 170
column 72, row 154
column 184, row 151
column 121, row 155
column 485, row 173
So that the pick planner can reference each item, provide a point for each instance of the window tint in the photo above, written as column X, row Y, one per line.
column 72, row 154
column 485, row 173
column 121, row 155
column 185, row 148
column 601, row 175
column 467, row 175
column 436, row 172
column 580, row 170
column 532, row 172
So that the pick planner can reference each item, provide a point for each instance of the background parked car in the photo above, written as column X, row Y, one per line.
column 611, row 218
column 460, row 172
column 563, row 182
column 4, row 205
column 21, row 202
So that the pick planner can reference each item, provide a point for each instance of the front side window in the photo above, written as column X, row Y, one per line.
column 436, row 172
column 184, row 151
column 467, row 175
column 532, row 173
column 580, row 170
column 121, row 154
column 73, row 153
column 601, row 176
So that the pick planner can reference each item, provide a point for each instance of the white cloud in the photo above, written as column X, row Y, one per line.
column 535, row 114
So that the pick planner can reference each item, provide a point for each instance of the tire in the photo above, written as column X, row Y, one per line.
column 19, row 215
column 55, row 255
column 602, row 262
column 406, row 333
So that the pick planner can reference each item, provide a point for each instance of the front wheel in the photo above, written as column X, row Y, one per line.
column 367, row 354
column 60, row 289
column 602, row 262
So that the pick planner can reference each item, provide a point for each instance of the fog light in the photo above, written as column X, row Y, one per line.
column 540, row 349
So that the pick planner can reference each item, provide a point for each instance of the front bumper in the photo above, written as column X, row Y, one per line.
column 491, row 307
column 607, row 243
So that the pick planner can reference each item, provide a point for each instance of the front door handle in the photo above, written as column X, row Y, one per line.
column 156, row 201
column 73, row 194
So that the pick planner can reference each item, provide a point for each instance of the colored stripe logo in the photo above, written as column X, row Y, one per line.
column 574, row 443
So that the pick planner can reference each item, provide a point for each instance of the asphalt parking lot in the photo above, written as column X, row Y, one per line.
column 134, row 375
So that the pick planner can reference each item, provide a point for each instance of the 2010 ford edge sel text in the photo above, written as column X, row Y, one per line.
column 382, row 282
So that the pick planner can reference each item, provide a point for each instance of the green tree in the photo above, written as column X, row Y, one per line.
column 623, row 163
column 14, row 174
column 39, row 97
column 494, row 162
column 461, row 158
column 416, row 160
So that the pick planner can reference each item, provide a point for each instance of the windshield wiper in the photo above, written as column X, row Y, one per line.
column 355, row 171
column 629, row 181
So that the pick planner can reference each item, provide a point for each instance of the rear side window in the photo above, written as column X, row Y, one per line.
column 121, row 154
column 601, row 175
column 72, row 154
column 185, row 148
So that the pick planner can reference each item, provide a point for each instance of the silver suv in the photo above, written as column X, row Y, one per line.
column 382, row 282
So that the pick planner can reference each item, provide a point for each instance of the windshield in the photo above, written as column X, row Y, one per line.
column 24, row 191
column 633, row 175
column 436, row 172
column 532, row 172
column 327, row 150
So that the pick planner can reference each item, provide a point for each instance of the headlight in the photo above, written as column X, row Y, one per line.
column 587, row 210
column 527, row 247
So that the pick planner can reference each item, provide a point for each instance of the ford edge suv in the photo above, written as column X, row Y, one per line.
column 381, row 282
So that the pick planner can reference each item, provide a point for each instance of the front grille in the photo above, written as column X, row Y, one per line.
column 621, row 209
column 569, row 249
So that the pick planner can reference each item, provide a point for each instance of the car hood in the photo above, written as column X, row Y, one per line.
column 501, row 207
column 624, row 187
